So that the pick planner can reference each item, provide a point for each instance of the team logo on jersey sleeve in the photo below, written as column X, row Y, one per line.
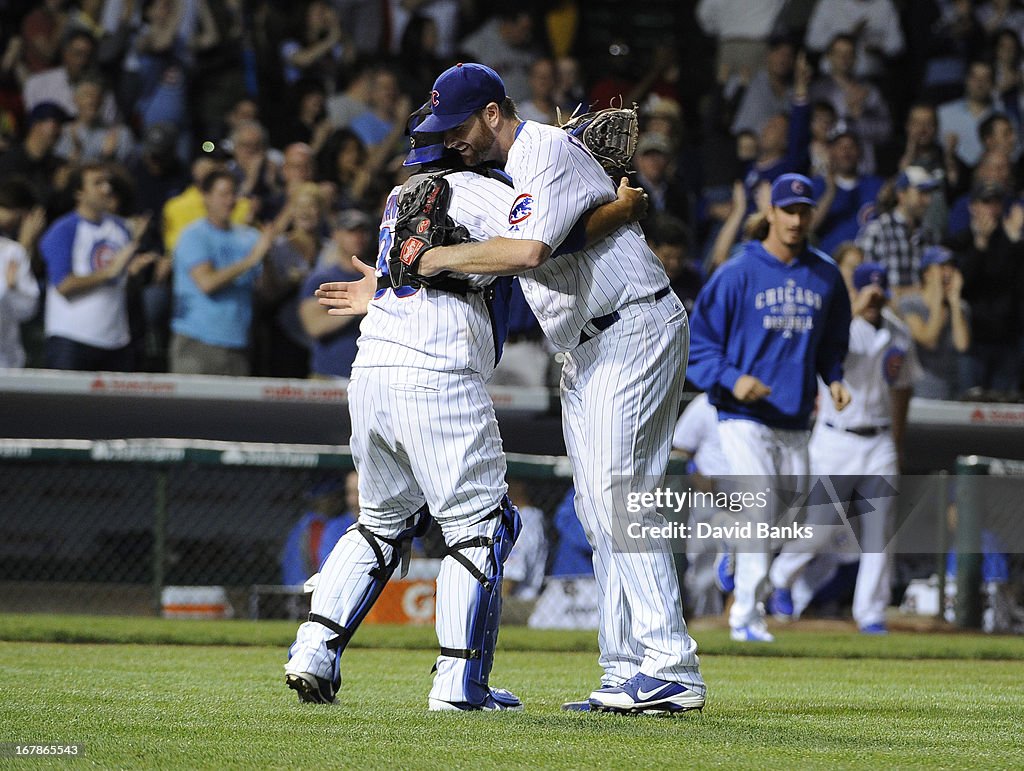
column 866, row 213
column 521, row 209
column 892, row 364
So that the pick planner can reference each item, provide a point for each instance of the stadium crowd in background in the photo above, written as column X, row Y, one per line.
column 906, row 116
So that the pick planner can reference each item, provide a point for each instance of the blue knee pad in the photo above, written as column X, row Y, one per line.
column 483, row 624
column 401, row 546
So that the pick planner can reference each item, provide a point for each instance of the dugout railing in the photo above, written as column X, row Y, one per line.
column 135, row 515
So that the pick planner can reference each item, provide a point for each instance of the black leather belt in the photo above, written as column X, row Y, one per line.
column 601, row 323
column 520, row 337
column 862, row 430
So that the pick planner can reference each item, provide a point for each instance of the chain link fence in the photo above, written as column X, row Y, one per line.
column 221, row 528
column 107, row 526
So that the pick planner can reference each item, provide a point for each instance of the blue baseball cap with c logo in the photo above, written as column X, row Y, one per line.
column 868, row 273
column 789, row 189
column 460, row 91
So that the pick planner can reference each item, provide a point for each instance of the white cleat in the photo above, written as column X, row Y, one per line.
column 310, row 688
column 755, row 631
column 645, row 695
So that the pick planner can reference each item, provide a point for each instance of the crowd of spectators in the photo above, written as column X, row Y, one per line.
column 180, row 174
column 822, row 88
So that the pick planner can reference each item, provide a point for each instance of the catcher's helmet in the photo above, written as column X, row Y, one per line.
column 425, row 147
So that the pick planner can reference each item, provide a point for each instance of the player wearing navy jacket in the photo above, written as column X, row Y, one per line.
column 764, row 327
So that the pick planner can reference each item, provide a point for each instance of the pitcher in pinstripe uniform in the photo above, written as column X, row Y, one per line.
column 424, row 432
column 625, row 336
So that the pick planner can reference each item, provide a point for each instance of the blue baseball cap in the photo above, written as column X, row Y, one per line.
column 935, row 255
column 460, row 91
column 868, row 273
column 790, row 189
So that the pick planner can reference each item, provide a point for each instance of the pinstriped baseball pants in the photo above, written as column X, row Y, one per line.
column 621, row 392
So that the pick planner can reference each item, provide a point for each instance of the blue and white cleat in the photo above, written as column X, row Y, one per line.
column 644, row 695
column 875, row 629
column 310, row 688
column 498, row 700
column 781, row 604
column 755, row 631
column 725, row 572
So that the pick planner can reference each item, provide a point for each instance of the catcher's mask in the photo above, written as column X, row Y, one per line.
column 425, row 147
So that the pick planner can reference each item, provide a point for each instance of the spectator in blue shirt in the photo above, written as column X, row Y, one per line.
column 334, row 337
column 216, row 264
column 846, row 198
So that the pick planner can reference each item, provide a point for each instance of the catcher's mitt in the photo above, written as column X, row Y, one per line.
column 609, row 134
column 422, row 223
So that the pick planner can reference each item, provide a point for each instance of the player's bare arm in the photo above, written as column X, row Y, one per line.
column 868, row 297
column 508, row 256
column 630, row 205
column 349, row 298
column 701, row 482
column 494, row 257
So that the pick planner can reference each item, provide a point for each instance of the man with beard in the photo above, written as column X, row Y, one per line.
column 601, row 305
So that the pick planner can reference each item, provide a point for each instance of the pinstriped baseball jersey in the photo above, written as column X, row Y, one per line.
column 879, row 360
column 429, row 328
column 556, row 180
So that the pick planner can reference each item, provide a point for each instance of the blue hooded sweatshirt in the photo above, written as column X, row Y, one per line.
column 782, row 323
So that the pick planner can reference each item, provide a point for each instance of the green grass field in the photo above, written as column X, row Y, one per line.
column 147, row 693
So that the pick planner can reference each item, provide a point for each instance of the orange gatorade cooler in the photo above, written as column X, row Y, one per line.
column 408, row 600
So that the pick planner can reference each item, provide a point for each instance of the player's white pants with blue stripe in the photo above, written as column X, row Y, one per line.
column 417, row 436
column 848, row 459
column 762, row 456
column 621, row 392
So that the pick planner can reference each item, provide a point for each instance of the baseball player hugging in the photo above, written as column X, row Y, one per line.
column 767, row 324
column 424, row 430
column 859, row 448
column 609, row 307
